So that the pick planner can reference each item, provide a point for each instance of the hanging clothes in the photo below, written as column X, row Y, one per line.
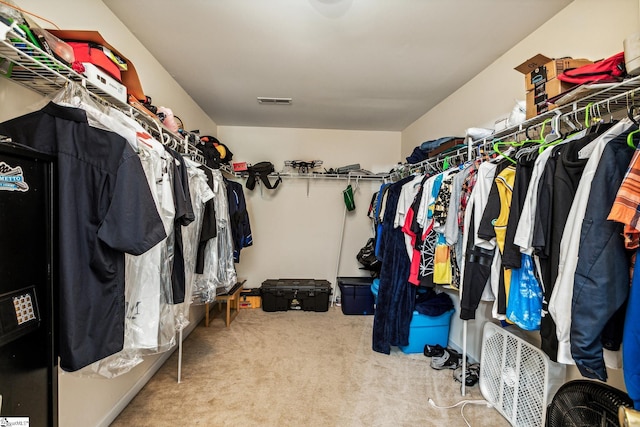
column 562, row 296
column 492, row 228
column 378, row 214
column 477, row 254
column 199, row 194
column 524, row 232
column 523, row 293
column 631, row 338
column 601, row 281
column 403, row 211
column 149, row 323
column 526, row 159
column 209, row 228
column 429, row 238
column 442, row 270
column 396, row 296
column 412, row 229
column 184, row 216
column 452, row 226
column 239, row 218
column 625, row 211
column 560, row 180
column 218, row 273
column 99, row 174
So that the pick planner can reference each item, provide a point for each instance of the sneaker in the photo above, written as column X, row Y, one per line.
column 450, row 359
column 471, row 377
column 433, row 350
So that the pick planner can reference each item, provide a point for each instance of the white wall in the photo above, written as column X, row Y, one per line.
column 584, row 29
column 83, row 401
column 156, row 81
column 289, row 227
column 590, row 29
column 297, row 235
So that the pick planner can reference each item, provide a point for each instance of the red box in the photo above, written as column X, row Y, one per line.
column 84, row 52
column 240, row 166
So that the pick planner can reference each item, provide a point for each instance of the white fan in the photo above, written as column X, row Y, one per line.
column 517, row 378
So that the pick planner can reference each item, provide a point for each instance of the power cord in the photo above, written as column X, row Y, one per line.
column 463, row 403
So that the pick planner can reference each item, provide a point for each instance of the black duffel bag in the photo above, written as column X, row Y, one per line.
column 367, row 256
column 261, row 170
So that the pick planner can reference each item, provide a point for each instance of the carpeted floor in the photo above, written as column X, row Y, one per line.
column 299, row 368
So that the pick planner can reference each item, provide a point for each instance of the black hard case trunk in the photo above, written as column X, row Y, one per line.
column 295, row 294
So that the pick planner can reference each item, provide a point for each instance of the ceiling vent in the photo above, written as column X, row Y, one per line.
column 274, row 101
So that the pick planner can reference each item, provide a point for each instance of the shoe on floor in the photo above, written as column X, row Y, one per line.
column 450, row 359
column 472, row 374
column 433, row 350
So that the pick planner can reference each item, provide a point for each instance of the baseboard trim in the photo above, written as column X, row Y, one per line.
column 144, row 379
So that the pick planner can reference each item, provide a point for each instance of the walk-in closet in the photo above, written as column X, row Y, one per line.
column 319, row 212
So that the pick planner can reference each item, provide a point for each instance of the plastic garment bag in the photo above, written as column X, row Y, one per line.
column 200, row 193
column 149, row 320
column 219, row 273
column 226, row 266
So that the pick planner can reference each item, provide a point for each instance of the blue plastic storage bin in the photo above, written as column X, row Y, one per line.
column 374, row 289
column 430, row 330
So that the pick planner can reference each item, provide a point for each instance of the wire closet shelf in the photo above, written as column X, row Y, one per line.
column 31, row 67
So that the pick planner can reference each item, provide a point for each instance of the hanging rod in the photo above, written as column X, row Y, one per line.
column 366, row 177
column 607, row 98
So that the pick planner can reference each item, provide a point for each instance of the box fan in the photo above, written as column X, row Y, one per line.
column 517, row 378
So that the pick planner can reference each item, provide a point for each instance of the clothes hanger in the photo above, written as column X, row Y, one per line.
column 631, row 115
column 555, row 132
column 445, row 163
column 554, row 137
column 496, row 149
column 76, row 95
column 630, row 138
column 592, row 121
column 514, row 144
column 542, row 137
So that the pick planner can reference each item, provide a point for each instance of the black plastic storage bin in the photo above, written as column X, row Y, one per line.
column 295, row 294
column 357, row 297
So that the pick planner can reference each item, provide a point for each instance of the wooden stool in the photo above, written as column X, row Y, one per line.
column 231, row 300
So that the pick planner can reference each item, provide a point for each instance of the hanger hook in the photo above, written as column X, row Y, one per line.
column 631, row 114
column 526, row 132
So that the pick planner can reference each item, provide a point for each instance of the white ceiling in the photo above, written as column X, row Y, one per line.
column 347, row 64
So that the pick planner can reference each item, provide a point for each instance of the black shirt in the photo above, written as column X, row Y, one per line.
column 105, row 208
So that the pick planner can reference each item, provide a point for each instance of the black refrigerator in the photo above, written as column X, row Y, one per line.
column 28, row 365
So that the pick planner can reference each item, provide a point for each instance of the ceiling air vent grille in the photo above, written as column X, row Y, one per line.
column 274, row 101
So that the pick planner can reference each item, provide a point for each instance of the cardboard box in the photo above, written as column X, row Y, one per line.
column 105, row 83
column 129, row 77
column 537, row 98
column 250, row 301
column 540, row 69
column 250, row 298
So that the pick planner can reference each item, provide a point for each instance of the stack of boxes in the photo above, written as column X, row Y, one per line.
column 541, row 82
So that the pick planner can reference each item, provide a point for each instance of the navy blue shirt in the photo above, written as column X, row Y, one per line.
column 105, row 208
